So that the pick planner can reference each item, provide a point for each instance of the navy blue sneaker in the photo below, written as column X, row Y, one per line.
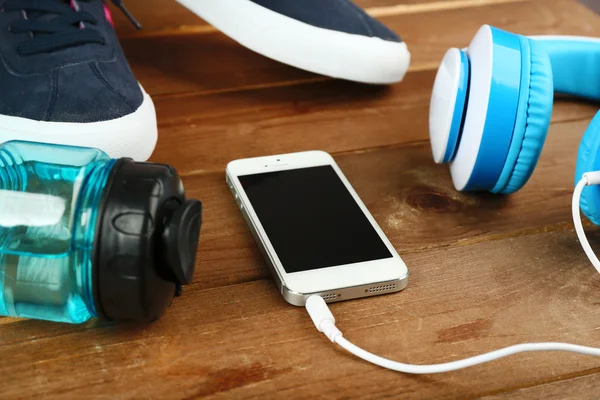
column 64, row 79
column 329, row 37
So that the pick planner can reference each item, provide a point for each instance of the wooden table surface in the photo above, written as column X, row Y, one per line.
column 486, row 271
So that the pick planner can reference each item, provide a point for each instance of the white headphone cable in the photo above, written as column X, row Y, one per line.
column 589, row 178
column 325, row 322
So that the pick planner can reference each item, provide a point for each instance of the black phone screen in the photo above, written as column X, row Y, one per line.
column 311, row 219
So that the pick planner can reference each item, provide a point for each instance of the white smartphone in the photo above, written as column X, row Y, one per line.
column 315, row 233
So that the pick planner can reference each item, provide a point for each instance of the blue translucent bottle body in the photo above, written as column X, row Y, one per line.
column 49, row 201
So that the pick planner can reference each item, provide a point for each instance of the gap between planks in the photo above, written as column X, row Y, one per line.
column 200, row 172
column 317, row 79
column 378, row 12
column 556, row 227
column 521, row 233
column 418, row 8
column 562, row 378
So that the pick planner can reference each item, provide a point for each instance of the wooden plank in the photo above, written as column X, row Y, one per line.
column 209, row 61
column 333, row 115
column 486, row 271
column 169, row 15
column 581, row 388
column 203, row 133
column 411, row 198
column 202, row 63
column 245, row 341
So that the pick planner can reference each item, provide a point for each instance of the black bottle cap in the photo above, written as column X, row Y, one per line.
column 146, row 242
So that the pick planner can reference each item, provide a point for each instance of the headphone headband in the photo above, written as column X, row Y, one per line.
column 575, row 64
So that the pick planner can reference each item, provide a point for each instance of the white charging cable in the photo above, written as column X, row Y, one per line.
column 325, row 322
column 588, row 179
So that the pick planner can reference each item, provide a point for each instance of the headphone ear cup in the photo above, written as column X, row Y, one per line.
column 532, row 122
column 588, row 159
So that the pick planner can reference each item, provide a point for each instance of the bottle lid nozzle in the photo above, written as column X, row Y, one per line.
column 180, row 240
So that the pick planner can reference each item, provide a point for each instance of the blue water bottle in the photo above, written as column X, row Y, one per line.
column 83, row 235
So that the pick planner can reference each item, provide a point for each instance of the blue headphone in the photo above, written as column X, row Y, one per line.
column 491, row 107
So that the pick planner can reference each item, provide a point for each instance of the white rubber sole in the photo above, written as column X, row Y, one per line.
column 133, row 136
column 323, row 51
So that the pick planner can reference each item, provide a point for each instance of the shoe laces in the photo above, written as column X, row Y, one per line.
column 56, row 24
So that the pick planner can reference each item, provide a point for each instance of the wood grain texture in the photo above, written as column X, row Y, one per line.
column 245, row 341
column 411, row 198
column 208, row 62
column 485, row 271
column 334, row 116
column 582, row 388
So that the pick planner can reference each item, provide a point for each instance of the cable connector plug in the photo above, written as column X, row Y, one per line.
column 322, row 317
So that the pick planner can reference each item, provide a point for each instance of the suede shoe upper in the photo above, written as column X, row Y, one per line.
column 337, row 15
column 62, row 62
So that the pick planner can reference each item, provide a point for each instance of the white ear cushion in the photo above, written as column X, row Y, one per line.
column 480, row 55
column 443, row 103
